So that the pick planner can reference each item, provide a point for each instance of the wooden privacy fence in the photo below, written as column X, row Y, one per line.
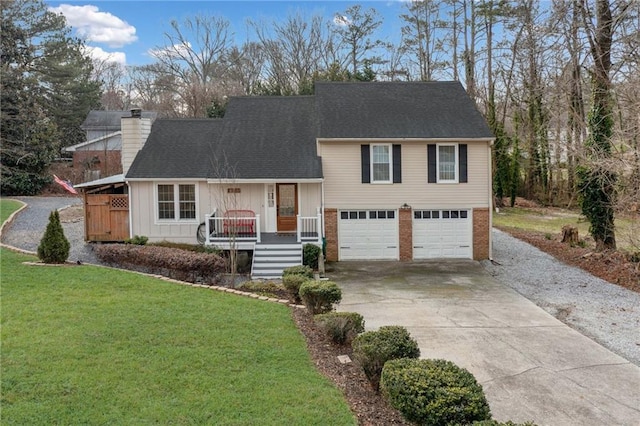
column 106, row 217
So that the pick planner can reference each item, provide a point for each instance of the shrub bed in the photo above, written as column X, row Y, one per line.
column 173, row 263
column 320, row 296
column 372, row 349
column 341, row 327
column 310, row 255
column 303, row 270
column 433, row 392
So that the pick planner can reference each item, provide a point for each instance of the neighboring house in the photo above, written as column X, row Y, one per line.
column 100, row 155
column 372, row 170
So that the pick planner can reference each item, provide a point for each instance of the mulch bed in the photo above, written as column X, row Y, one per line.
column 369, row 407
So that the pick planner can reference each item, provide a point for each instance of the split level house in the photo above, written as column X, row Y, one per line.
column 389, row 170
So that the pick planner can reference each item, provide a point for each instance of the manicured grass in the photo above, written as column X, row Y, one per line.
column 89, row 345
column 7, row 207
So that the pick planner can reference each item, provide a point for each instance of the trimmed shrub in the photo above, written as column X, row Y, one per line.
column 179, row 264
column 341, row 327
column 319, row 296
column 138, row 240
column 197, row 248
column 310, row 254
column 433, row 392
column 266, row 288
column 292, row 283
column 372, row 349
column 303, row 270
column 54, row 246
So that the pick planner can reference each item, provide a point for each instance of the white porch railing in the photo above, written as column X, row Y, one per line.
column 231, row 228
column 310, row 228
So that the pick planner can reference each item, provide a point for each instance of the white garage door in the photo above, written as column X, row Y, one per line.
column 368, row 234
column 441, row 234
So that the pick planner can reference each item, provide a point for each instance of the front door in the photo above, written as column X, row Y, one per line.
column 287, row 199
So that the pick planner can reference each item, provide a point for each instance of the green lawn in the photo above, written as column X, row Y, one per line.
column 7, row 207
column 89, row 345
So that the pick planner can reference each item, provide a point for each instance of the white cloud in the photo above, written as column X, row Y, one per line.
column 96, row 26
column 100, row 55
column 175, row 51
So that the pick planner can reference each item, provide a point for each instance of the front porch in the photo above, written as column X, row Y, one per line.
column 242, row 230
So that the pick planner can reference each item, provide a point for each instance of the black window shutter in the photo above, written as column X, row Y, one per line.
column 462, row 162
column 397, row 164
column 366, row 163
column 431, row 164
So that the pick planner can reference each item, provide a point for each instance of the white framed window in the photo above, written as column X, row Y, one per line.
column 447, row 163
column 176, row 202
column 381, row 163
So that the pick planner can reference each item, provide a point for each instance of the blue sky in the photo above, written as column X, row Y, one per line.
column 125, row 31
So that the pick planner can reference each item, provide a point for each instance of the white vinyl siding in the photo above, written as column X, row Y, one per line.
column 144, row 210
column 343, row 183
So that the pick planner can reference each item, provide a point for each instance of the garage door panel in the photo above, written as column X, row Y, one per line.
column 368, row 234
column 442, row 234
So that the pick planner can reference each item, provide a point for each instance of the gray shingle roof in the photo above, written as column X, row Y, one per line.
column 110, row 120
column 178, row 148
column 275, row 137
column 272, row 137
column 398, row 110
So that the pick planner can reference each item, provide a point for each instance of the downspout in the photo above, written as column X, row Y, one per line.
column 490, row 201
column 130, row 209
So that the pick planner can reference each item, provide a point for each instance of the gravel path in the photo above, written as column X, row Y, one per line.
column 602, row 311
column 27, row 229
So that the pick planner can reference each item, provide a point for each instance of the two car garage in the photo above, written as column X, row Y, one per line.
column 374, row 234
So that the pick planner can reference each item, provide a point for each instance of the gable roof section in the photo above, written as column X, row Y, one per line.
column 99, row 142
column 178, row 149
column 270, row 138
column 110, row 120
column 397, row 110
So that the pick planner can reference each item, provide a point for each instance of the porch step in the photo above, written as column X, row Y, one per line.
column 269, row 260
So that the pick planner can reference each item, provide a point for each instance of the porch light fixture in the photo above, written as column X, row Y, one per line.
column 405, row 206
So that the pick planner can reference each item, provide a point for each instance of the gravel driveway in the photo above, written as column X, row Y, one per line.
column 27, row 229
column 607, row 313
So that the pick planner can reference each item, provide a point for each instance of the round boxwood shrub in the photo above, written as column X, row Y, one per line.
column 310, row 254
column 303, row 270
column 372, row 349
column 292, row 283
column 341, row 327
column 433, row 392
column 320, row 296
column 54, row 246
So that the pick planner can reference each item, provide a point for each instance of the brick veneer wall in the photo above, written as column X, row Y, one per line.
column 406, row 234
column 331, row 233
column 481, row 233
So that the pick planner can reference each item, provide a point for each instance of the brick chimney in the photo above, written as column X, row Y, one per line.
column 135, row 130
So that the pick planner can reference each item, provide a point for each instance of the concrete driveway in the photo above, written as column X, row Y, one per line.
column 531, row 366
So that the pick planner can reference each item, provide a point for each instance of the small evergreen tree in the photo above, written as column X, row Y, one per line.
column 54, row 246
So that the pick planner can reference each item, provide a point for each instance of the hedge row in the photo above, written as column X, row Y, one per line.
column 174, row 263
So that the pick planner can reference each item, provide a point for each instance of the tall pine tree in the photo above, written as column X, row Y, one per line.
column 45, row 92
